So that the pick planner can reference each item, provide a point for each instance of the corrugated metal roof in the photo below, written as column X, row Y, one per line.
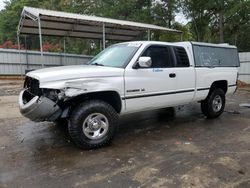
column 56, row 23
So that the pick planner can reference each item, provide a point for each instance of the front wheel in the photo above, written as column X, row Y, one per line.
column 213, row 106
column 93, row 124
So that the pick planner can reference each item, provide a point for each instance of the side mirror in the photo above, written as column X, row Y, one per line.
column 145, row 62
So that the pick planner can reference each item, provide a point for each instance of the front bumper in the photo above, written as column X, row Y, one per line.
column 38, row 108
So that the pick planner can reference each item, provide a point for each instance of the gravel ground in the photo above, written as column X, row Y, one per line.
column 10, row 87
column 150, row 150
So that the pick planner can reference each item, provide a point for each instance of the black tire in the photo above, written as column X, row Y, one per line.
column 61, row 122
column 80, row 115
column 207, row 105
column 62, row 125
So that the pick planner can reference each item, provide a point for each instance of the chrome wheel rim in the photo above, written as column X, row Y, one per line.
column 95, row 126
column 217, row 103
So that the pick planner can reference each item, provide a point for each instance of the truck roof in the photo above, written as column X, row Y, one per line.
column 185, row 43
column 220, row 45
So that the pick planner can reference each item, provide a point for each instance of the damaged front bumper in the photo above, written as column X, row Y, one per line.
column 38, row 108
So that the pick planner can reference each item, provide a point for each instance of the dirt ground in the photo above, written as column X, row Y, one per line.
column 150, row 150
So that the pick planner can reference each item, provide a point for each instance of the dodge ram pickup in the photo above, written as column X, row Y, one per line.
column 126, row 78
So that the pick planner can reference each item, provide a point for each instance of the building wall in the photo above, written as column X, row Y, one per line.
column 244, row 69
column 13, row 62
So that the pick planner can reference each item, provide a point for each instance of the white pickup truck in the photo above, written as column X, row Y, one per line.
column 127, row 78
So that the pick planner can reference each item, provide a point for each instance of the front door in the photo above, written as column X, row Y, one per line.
column 146, row 87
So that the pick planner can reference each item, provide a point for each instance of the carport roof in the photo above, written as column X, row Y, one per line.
column 56, row 23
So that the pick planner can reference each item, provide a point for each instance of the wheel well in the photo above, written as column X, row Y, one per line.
column 222, row 84
column 111, row 97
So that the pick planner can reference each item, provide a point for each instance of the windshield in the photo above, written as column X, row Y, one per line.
column 115, row 56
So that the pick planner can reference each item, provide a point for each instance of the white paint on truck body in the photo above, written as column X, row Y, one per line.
column 140, row 89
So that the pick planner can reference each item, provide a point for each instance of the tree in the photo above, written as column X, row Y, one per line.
column 210, row 20
column 164, row 12
column 219, row 20
column 9, row 17
column 199, row 11
column 237, row 23
column 230, row 17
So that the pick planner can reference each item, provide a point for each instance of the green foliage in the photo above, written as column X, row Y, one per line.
column 9, row 17
column 199, row 11
column 210, row 20
column 164, row 12
column 219, row 21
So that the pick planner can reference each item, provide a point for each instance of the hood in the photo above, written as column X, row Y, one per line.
column 74, row 72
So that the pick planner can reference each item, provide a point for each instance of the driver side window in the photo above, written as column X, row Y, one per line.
column 161, row 56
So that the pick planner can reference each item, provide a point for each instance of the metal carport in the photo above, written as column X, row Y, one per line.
column 35, row 21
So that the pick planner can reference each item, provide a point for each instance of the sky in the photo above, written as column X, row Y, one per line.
column 2, row 4
column 181, row 18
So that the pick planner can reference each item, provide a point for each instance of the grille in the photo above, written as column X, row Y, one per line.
column 182, row 58
column 32, row 85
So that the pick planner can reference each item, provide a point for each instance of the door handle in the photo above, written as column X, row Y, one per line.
column 172, row 75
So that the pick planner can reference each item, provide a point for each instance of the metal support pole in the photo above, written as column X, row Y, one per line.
column 103, row 36
column 100, row 45
column 64, row 51
column 19, row 48
column 41, row 40
column 149, row 35
column 64, row 45
column 181, row 36
column 27, row 59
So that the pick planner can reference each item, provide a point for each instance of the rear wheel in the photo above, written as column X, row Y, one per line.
column 213, row 106
column 93, row 124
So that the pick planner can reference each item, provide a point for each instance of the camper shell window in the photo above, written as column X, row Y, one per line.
column 210, row 56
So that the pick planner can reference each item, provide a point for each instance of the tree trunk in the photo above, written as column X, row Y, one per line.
column 221, row 22
column 235, row 39
column 221, row 25
column 170, row 13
